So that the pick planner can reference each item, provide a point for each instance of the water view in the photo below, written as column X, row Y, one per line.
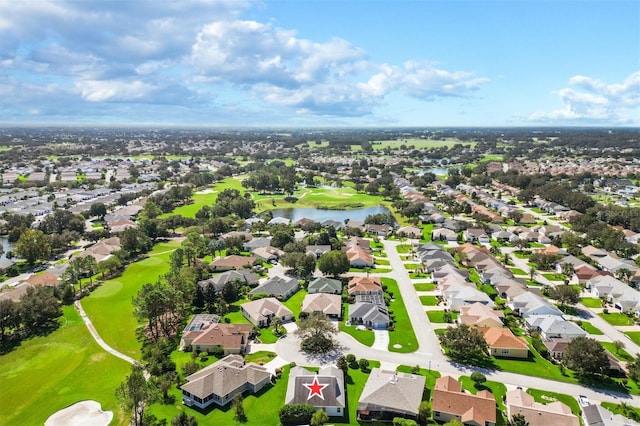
column 296, row 213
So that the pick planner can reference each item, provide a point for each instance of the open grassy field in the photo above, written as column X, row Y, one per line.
column 616, row 318
column 403, row 334
column 591, row 302
column 418, row 143
column 110, row 307
column 45, row 374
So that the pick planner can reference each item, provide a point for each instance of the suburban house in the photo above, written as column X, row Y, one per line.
column 554, row 327
column 278, row 286
column 388, row 394
column 267, row 253
column 325, row 285
column 554, row 413
column 409, row 232
column 360, row 258
column 458, row 295
column 255, row 243
column 328, row 304
column 528, row 304
column 219, row 382
column 364, row 285
column 318, row 250
column 44, row 279
column 202, row 335
column 450, row 402
column 473, row 235
column 444, row 234
column 261, row 312
column 597, row 415
column 556, row 348
column 232, row 262
column 372, row 315
column 323, row 390
column 379, row 230
column 480, row 315
column 244, row 276
column 503, row 343
column 101, row 250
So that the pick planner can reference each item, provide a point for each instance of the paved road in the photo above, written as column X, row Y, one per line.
column 97, row 337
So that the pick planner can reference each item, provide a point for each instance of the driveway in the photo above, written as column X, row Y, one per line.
column 381, row 341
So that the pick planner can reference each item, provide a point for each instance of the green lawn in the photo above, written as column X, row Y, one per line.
column 634, row 336
column 591, row 302
column 535, row 366
column 426, row 233
column 438, row 316
column 429, row 300
column 366, row 337
column 412, row 266
column 382, row 262
column 517, row 271
column 294, row 303
column 260, row 357
column 207, row 198
column 552, row 277
column 499, row 390
column 589, row 328
column 110, row 307
column 425, row 287
column 620, row 355
column 402, row 334
column 616, row 318
column 625, row 411
column 45, row 374
column 545, row 397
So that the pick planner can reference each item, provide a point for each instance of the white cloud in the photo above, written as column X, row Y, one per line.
column 597, row 101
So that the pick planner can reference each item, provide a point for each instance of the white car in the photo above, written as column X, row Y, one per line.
column 584, row 402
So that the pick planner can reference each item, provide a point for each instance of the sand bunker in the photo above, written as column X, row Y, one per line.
column 83, row 413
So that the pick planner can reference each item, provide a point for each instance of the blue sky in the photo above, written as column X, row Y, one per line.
column 320, row 63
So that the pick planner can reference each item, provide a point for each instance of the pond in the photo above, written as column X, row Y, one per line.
column 318, row 215
column 438, row 171
column 6, row 245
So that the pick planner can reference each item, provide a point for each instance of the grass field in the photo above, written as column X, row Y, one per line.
column 110, row 307
column 620, row 355
column 403, row 333
column 589, row 328
column 425, row 287
column 634, row 336
column 591, row 302
column 46, row 374
column 438, row 316
column 517, row 271
column 418, row 143
column 429, row 300
column 545, row 397
column 616, row 318
column 366, row 337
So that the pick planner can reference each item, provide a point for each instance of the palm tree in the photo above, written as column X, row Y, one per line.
column 276, row 322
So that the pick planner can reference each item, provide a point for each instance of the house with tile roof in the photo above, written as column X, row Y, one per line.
column 450, row 402
column 203, row 336
column 554, row 413
column 504, row 344
column 364, row 285
column 232, row 262
column 323, row 390
column 262, row 311
column 219, row 382
column 388, row 394
column 328, row 304
column 244, row 276
column 480, row 315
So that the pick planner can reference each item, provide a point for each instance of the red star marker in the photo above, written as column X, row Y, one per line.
column 315, row 388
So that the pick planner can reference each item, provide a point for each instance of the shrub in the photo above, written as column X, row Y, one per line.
column 363, row 364
column 605, row 311
column 296, row 414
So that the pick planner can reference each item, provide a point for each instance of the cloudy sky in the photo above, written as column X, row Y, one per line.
column 320, row 63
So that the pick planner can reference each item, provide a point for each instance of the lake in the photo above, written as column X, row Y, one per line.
column 318, row 215
column 436, row 171
column 6, row 245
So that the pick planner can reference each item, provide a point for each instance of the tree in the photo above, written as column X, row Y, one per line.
column 135, row 393
column 316, row 333
column 633, row 368
column 363, row 364
column 9, row 317
column 341, row 363
column 586, row 356
column 465, row 343
column 319, row 418
column 334, row 262
column 98, row 209
column 296, row 414
column 184, row 419
column 216, row 245
column 39, row 308
column 454, row 422
column 303, row 264
column 518, row 420
column 238, row 408
column 565, row 294
column 33, row 245
column 618, row 345
column 478, row 378
column 424, row 412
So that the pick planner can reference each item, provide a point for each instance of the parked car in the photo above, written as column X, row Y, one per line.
column 584, row 402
